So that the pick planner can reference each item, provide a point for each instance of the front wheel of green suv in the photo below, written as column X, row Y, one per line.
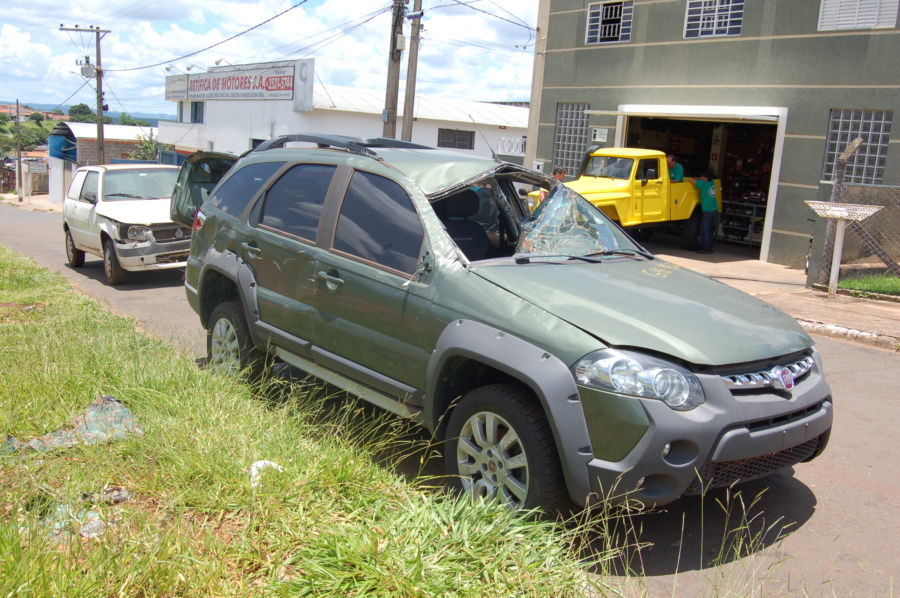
column 229, row 347
column 500, row 446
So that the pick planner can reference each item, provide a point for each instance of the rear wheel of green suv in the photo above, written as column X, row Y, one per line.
column 228, row 345
column 500, row 446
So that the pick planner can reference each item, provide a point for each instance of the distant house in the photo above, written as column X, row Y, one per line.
column 25, row 113
column 232, row 109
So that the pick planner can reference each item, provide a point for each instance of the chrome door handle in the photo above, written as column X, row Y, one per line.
column 253, row 252
column 331, row 282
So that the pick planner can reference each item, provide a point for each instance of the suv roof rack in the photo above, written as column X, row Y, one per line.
column 351, row 144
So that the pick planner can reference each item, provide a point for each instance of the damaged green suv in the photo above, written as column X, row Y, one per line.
column 557, row 358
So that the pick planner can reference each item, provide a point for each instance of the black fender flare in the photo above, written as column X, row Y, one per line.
column 546, row 375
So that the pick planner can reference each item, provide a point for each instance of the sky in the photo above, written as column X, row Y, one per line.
column 470, row 49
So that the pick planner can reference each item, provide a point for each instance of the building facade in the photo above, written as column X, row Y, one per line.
column 233, row 108
column 765, row 93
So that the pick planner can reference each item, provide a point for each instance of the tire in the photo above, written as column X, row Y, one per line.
column 115, row 274
column 74, row 255
column 500, row 446
column 690, row 231
column 229, row 348
column 641, row 234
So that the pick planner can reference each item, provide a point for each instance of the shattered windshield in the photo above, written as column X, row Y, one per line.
column 565, row 224
column 148, row 183
column 610, row 167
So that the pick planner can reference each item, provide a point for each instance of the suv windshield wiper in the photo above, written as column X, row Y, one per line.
column 625, row 252
column 526, row 259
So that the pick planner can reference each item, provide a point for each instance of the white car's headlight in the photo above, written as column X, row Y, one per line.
column 137, row 233
column 630, row 373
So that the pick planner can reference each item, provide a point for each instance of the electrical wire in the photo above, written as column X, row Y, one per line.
column 487, row 12
column 341, row 30
column 63, row 103
column 236, row 35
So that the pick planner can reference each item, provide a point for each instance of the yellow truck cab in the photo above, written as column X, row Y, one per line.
column 632, row 186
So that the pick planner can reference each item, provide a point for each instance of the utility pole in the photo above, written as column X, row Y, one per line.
column 98, row 71
column 409, row 99
column 393, row 80
column 19, row 180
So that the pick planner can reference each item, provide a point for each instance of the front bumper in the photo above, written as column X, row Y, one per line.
column 732, row 437
column 152, row 254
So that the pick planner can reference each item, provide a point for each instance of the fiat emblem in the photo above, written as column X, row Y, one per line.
column 783, row 378
column 179, row 234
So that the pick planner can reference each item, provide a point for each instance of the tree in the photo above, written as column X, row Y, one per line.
column 148, row 148
column 81, row 113
column 127, row 119
column 37, row 117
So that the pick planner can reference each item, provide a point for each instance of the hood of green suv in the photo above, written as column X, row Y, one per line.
column 657, row 306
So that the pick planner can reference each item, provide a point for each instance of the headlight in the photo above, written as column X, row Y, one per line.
column 631, row 373
column 136, row 233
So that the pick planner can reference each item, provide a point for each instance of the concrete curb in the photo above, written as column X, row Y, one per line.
column 882, row 341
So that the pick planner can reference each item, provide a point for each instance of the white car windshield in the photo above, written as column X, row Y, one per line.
column 148, row 183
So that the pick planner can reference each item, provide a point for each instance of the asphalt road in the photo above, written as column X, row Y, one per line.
column 826, row 529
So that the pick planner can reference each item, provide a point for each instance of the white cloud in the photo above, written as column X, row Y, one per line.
column 464, row 54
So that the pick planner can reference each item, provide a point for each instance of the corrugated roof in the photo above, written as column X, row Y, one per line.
column 349, row 99
column 110, row 132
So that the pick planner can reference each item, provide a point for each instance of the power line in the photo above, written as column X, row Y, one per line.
column 342, row 30
column 236, row 35
column 519, row 23
column 63, row 103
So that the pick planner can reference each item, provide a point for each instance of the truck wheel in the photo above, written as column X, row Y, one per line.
column 115, row 274
column 74, row 255
column 229, row 347
column 500, row 446
column 690, row 231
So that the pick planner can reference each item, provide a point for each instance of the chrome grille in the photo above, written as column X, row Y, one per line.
column 768, row 378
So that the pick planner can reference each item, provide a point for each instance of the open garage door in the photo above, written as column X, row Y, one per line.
column 742, row 145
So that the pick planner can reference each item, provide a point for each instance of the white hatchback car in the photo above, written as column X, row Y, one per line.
column 120, row 212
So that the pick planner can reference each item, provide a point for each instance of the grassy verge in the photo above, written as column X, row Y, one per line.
column 884, row 284
column 335, row 521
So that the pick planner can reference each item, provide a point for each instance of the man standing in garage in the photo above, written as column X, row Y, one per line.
column 709, row 206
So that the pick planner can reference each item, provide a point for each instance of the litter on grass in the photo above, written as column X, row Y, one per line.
column 256, row 470
column 106, row 419
column 67, row 521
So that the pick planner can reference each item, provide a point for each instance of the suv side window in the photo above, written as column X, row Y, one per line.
column 235, row 193
column 90, row 188
column 379, row 223
column 294, row 203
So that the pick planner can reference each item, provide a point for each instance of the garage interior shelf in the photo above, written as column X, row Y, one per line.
column 742, row 222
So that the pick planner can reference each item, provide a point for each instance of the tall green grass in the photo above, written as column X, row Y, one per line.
column 884, row 284
column 338, row 521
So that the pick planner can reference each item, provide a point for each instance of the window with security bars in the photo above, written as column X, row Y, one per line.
column 456, row 139
column 609, row 22
column 835, row 15
column 571, row 135
column 867, row 164
column 710, row 18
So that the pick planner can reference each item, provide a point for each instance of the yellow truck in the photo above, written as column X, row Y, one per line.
column 632, row 186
